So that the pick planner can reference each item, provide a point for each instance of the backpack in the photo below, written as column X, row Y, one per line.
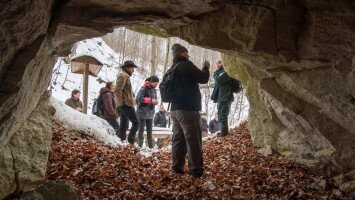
column 236, row 85
column 166, row 87
column 97, row 108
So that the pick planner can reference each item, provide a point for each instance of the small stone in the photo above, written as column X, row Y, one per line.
column 266, row 151
column 350, row 175
column 338, row 180
column 348, row 187
column 319, row 184
column 336, row 192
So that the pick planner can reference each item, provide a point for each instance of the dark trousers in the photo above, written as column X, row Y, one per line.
column 114, row 123
column 187, row 139
column 128, row 114
column 223, row 108
column 148, row 123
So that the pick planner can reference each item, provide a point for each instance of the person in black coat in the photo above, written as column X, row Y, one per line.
column 187, row 135
column 146, row 100
column 204, row 125
column 160, row 118
column 214, row 126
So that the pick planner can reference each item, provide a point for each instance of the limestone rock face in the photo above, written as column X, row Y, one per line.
column 295, row 58
column 23, row 160
column 53, row 190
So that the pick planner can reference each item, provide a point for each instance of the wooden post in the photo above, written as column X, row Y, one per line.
column 85, row 88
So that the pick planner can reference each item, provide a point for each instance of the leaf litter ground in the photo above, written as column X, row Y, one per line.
column 233, row 170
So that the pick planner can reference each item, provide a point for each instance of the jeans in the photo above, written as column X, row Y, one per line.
column 187, row 139
column 128, row 114
column 142, row 124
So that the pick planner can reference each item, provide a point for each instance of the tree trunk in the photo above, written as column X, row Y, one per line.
column 167, row 56
column 153, row 56
column 123, row 46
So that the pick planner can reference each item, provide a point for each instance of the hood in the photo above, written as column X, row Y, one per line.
column 103, row 90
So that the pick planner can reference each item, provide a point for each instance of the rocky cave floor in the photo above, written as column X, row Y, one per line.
column 234, row 170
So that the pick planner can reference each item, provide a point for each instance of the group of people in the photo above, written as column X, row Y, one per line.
column 188, row 125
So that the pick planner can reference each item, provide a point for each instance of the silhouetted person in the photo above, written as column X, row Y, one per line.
column 214, row 126
column 204, row 125
column 222, row 95
column 160, row 118
column 187, row 136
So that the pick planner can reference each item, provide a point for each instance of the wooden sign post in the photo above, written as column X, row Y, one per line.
column 86, row 65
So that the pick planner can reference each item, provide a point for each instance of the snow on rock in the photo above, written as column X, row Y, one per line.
column 91, row 125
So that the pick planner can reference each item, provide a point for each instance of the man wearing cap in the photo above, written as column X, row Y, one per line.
column 187, row 135
column 125, row 102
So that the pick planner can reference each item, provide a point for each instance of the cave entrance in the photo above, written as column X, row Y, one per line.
column 152, row 54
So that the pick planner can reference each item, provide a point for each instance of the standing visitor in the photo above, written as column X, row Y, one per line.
column 109, row 106
column 160, row 118
column 74, row 101
column 125, row 101
column 222, row 95
column 185, row 107
column 146, row 101
column 214, row 126
column 204, row 125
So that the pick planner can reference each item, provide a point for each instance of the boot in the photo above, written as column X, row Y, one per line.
column 224, row 129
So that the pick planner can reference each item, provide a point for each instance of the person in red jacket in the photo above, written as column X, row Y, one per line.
column 109, row 106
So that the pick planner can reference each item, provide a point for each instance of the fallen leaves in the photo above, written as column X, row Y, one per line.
column 234, row 170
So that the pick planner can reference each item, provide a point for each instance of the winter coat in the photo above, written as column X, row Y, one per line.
column 145, row 108
column 123, row 92
column 160, row 119
column 186, row 89
column 214, row 126
column 204, row 125
column 108, row 104
column 74, row 103
column 222, row 90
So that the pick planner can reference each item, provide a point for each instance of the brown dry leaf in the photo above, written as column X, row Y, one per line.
column 234, row 170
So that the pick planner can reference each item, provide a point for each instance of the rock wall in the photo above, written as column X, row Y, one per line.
column 23, row 160
column 297, row 62
column 295, row 57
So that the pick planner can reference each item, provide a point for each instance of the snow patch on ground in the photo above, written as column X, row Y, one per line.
column 91, row 125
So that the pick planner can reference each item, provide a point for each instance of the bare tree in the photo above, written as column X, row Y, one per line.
column 167, row 55
column 153, row 56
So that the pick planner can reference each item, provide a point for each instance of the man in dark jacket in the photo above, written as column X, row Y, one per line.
column 204, row 125
column 146, row 101
column 109, row 106
column 160, row 118
column 222, row 95
column 187, row 136
column 214, row 126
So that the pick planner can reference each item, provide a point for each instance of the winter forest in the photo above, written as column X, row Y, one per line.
column 153, row 56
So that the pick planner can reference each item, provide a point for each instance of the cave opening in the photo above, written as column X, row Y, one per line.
column 295, row 59
column 153, row 57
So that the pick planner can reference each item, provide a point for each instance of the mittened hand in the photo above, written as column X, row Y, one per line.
column 155, row 101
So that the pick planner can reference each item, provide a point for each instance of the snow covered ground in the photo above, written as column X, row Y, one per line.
column 63, row 81
column 91, row 125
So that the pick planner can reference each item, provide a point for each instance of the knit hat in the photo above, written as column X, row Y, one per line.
column 177, row 49
column 128, row 63
column 154, row 79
